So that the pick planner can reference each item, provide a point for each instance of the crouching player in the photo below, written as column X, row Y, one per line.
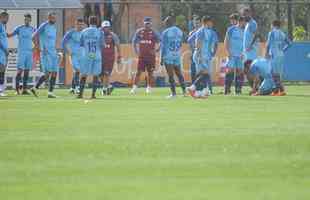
column 144, row 44
column 25, row 61
column 171, row 43
column 92, row 39
column 202, row 56
column 45, row 40
column 260, row 68
column 108, row 54
column 233, row 44
column 276, row 44
column 71, row 44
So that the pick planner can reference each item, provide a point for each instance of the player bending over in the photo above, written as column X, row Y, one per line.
column 171, row 43
column 260, row 68
column 24, row 50
column 112, row 42
column 276, row 44
column 144, row 44
column 4, row 51
column 233, row 45
column 45, row 41
column 202, row 56
column 92, row 39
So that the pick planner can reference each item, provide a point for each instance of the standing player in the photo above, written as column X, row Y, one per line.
column 233, row 45
column 92, row 39
column 112, row 42
column 25, row 61
column 214, row 50
column 203, row 54
column 260, row 68
column 4, row 52
column 191, row 41
column 250, row 44
column 276, row 43
column 45, row 40
column 144, row 44
column 71, row 43
column 171, row 43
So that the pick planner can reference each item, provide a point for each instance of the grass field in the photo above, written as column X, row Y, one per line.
column 149, row 148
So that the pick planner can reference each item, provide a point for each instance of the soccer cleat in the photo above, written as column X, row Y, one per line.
column 25, row 92
column 34, row 92
column 51, row 95
column 148, row 90
column 104, row 91
column 2, row 94
column 77, row 91
column 171, row 96
column 72, row 91
column 134, row 89
column 110, row 90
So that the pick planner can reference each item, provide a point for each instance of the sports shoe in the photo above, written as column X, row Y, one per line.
column 171, row 96
column 104, row 91
column 148, row 90
column 51, row 95
column 2, row 94
column 17, row 92
column 72, row 91
column 110, row 90
column 34, row 92
column 134, row 89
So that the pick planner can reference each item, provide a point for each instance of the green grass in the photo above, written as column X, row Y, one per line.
column 149, row 148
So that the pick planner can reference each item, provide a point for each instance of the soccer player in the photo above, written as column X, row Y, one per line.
column 92, row 39
column 191, row 41
column 71, row 43
column 144, row 44
column 214, row 50
column 25, row 61
column 233, row 45
column 112, row 42
column 276, row 44
column 204, row 51
column 44, row 39
column 260, row 68
column 250, row 39
column 4, row 52
column 171, row 43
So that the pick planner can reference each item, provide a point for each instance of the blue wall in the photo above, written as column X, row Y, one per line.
column 297, row 62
